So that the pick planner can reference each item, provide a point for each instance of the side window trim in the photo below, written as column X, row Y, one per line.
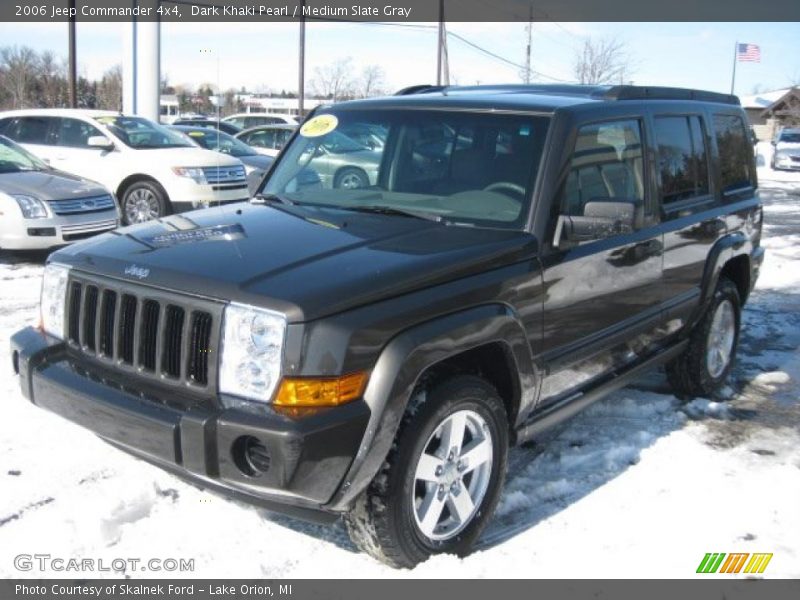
column 672, row 210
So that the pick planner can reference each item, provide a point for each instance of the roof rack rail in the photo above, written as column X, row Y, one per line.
column 635, row 92
column 419, row 89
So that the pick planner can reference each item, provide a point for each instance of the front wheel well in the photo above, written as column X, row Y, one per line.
column 131, row 179
column 737, row 270
column 492, row 362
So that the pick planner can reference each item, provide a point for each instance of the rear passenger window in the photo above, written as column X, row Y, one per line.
column 682, row 158
column 735, row 155
column 603, row 194
column 31, row 130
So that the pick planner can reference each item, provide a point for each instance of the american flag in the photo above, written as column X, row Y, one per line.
column 748, row 53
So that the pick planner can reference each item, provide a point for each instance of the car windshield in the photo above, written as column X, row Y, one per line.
column 460, row 167
column 790, row 137
column 141, row 134
column 14, row 159
column 212, row 139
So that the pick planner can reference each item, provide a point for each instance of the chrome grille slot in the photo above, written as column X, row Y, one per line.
column 149, row 335
column 199, row 347
column 109, row 310
column 90, row 318
column 127, row 325
column 74, row 332
column 173, row 341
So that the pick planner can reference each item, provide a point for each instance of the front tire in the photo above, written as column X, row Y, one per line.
column 442, row 480
column 351, row 178
column 707, row 361
column 143, row 201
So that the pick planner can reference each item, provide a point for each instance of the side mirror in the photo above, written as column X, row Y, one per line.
column 101, row 142
column 600, row 219
column 774, row 142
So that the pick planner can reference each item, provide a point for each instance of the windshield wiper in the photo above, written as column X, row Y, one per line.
column 390, row 210
column 267, row 198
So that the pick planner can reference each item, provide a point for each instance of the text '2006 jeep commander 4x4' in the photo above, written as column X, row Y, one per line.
column 369, row 334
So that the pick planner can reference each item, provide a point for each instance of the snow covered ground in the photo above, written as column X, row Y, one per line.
column 639, row 485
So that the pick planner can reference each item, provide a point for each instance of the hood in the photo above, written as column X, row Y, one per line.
column 258, row 161
column 187, row 157
column 787, row 146
column 305, row 262
column 49, row 185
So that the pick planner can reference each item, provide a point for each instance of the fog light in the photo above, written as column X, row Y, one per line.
column 251, row 456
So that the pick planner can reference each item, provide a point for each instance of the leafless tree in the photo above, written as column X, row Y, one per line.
column 109, row 89
column 373, row 82
column 51, row 81
column 601, row 61
column 19, row 66
column 334, row 81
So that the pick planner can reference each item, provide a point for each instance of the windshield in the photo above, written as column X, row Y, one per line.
column 471, row 168
column 790, row 137
column 14, row 159
column 141, row 134
column 212, row 139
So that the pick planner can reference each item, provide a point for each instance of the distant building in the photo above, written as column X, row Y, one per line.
column 259, row 103
column 168, row 108
column 770, row 111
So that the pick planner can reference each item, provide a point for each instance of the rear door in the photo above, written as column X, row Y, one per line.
column 603, row 288
column 691, row 223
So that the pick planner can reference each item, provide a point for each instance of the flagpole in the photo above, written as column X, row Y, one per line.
column 733, row 77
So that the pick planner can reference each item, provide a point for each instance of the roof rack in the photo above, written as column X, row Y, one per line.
column 420, row 89
column 635, row 92
column 597, row 92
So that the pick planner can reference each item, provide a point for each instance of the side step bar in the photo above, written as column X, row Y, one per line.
column 572, row 405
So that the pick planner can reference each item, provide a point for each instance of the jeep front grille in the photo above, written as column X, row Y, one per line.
column 158, row 335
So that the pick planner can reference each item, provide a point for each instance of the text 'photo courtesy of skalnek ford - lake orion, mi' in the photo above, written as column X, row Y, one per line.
column 440, row 289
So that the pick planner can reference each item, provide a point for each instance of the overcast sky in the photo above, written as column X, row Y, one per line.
column 264, row 55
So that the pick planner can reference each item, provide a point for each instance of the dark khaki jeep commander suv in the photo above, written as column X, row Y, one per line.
column 503, row 257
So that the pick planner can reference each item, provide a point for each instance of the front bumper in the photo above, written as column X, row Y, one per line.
column 787, row 163
column 308, row 457
column 18, row 233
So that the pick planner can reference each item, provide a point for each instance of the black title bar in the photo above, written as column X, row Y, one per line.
column 400, row 10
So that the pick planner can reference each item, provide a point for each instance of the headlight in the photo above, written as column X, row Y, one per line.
column 252, row 351
column 53, row 301
column 31, row 207
column 195, row 173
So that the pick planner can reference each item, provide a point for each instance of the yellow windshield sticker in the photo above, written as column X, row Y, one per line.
column 105, row 120
column 319, row 125
column 197, row 134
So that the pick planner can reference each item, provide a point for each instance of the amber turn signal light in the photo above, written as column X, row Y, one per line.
column 329, row 391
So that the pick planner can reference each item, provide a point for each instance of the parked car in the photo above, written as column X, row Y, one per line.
column 267, row 139
column 228, row 128
column 255, row 164
column 247, row 120
column 152, row 171
column 340, row 161
column 786, row 153
column 41, row 207
column 372, row 353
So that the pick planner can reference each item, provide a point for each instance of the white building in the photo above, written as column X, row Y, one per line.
column 258, row 103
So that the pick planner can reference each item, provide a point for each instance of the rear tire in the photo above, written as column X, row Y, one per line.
column 351, row 178
column 414, row 506
column 143, row 201
column 707, row 361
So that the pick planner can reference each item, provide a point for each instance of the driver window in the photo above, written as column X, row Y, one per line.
column 603, row 193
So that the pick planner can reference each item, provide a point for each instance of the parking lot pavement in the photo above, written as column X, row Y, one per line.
column 639, row 485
